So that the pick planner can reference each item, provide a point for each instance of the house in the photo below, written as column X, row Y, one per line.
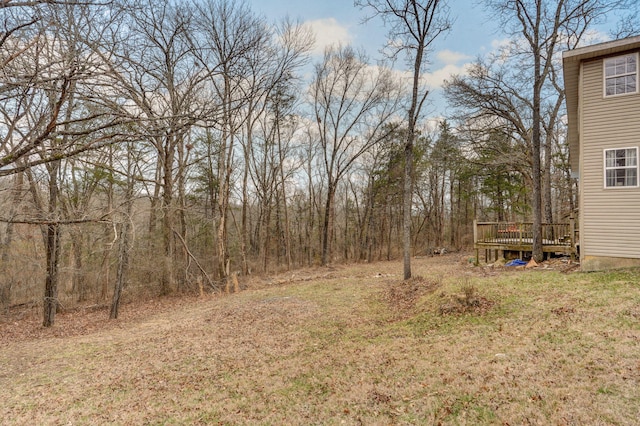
column 603, row 109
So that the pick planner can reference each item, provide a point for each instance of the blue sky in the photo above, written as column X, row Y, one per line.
column 474, row 33
column 336, row 21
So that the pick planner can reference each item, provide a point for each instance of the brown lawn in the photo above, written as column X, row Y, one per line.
column 344, row 345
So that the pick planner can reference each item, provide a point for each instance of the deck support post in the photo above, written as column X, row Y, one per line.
column 572, row 233
column 475, row 241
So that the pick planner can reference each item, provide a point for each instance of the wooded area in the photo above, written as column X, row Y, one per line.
column 152, row 147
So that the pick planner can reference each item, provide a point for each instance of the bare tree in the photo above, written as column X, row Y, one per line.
column 49, row 106
column 230, row 37
column 513, row 91
column 45, row 54
column 124, row 235
column 352, row 103
column 159, row 85
column 413, row 27
column 270, row 93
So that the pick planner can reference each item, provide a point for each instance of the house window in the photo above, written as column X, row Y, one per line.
column 620, row 75
column 620, row 167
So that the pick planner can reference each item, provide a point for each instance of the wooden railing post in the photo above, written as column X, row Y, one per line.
column 475, row 241
column 521, row 228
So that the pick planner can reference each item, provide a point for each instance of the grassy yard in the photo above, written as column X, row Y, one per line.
column 346, row 345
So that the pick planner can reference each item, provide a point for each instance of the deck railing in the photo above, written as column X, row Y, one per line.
column 518, row 236
column 559, row 234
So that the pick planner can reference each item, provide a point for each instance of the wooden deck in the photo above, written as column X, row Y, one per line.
column 498, row 238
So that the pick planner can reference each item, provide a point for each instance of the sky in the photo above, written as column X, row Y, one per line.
column 475, row 32
column 338, row 21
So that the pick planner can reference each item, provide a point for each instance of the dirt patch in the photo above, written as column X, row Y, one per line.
column 25, row 322
column 296, row 276
column 563, row 311
column 469, row 301
column 402, row 296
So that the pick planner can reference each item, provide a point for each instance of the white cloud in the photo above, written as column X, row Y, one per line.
column 436, row 78
column 450, row 57
column 328, row 32
column 497, row 44
column 593, row 37
column 455, row 63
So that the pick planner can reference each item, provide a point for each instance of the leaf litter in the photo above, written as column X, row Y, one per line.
column 316, row 346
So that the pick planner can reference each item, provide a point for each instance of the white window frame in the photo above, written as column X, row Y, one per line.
column 636, row 167
column 605, row 77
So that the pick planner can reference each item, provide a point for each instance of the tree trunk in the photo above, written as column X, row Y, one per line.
column 79, row 284
column 535, row 160
column 244, row 228
column 407, row 193
column 222, row 237
column 287, row 233
column 327, row 231
column 123, row 266
column 5, row 284
column 105, row 266
column 51, row 281
column 370, row 234
column 123, row 257
column 16, row 196
column 278, row 229
column 452, row 204
column 167, row 279
column 153, row 208
column 223, row 209
column 124, row 243
column 548, row 204
column 52, row 248
column 265, row 234
column 224, row 177
column 311, row 216
column 407, row 198
column 346, row 243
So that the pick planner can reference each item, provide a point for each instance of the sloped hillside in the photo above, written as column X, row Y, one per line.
column 344, row 345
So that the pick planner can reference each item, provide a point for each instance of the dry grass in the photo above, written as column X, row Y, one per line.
column 347, row 345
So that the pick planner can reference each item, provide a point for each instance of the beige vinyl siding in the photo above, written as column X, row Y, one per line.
column 610, row 218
